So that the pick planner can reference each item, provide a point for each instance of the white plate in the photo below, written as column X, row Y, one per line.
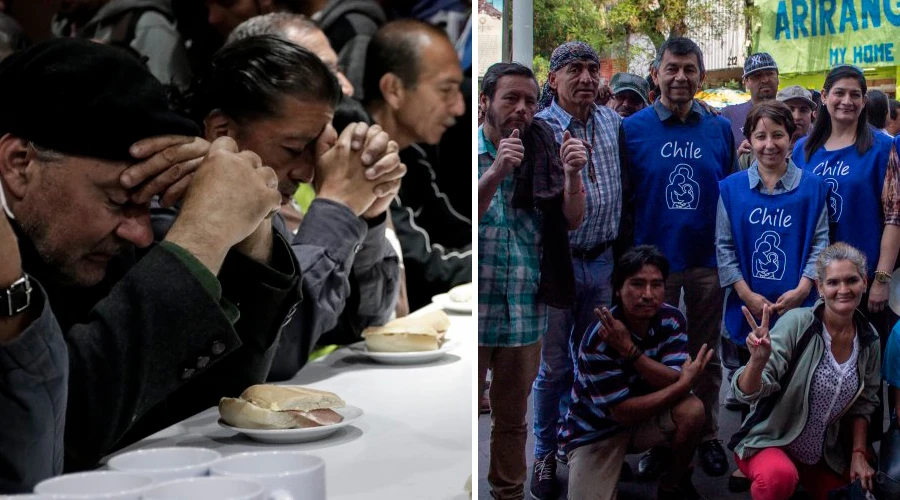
column 283, row 436
column 404, row 358
column 443, row 300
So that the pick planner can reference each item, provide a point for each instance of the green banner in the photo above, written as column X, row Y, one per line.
column 814, row 35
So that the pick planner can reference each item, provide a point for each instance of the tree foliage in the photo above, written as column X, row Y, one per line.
column 607, row 25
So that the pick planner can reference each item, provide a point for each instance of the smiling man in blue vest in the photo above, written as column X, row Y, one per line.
column 677, row 154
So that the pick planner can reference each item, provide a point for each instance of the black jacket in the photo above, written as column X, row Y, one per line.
column 161, row 339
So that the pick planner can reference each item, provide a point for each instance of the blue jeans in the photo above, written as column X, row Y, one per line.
column 565, row 329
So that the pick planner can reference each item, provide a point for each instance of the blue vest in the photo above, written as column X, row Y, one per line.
column 773, row 236
column 854, row 200
column 675, row 169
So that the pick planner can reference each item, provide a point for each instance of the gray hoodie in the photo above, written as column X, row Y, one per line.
column 147, row 26
column 349, row 25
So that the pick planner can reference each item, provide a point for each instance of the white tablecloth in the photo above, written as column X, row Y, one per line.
column 414, row 441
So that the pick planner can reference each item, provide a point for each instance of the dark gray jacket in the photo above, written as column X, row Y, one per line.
column 351, row 279
column 161, row 338
column 34, row 373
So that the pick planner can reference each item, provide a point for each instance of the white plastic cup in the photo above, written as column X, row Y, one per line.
column 286, row 475
column 207, row 488
column 166, row 464
column 96, row 485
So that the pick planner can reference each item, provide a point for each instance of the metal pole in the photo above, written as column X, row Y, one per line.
column 523, row 32
column 504, row 30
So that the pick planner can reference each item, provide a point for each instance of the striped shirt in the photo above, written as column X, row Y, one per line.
column 603, row 379
column 603, row 187
column 509, row 313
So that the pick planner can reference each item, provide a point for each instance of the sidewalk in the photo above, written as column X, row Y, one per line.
column 714, row 488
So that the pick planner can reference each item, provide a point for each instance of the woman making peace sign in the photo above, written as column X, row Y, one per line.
column 816, row 432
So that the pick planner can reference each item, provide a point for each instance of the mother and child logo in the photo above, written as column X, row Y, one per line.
column 769, row 260
column 683, row 192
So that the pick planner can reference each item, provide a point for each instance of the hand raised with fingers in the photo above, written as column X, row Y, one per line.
column 613, row 331
column 692, row 368
column 340, row 175
column 573, row 154
column 510, row 153
column 388, row 171
column 165, row 167
column 758, row 341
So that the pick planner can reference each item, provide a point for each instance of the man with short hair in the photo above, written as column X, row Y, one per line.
column 629, row 94
column 677, row 154
column 893, row 123
column 155, row 332
column 799, row 100
column 412, row 90
column 633, row 386
column 348, row 24
column 298, row 29
column 802, row 106
column 529, row 192
column 571, row 87
column 761, row 80
column 277, row 99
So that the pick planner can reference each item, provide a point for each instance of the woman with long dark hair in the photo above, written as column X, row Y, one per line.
column 860, row 166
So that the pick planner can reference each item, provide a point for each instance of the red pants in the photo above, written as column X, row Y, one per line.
column 774, row 476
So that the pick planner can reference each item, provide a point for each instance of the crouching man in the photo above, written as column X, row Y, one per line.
column 632, row 390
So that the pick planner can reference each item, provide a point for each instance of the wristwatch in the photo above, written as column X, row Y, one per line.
column 16, row 298
column 882, row 276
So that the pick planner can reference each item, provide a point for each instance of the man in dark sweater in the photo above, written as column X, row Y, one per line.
column 412, row 89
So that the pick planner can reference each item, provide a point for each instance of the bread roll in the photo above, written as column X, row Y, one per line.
column 461, row 293
column 409, row 334
column 290, row 397
column 267, row 406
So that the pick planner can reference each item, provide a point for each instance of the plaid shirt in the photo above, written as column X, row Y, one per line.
column 604, row 379
column 602, row 176
column 509, row 314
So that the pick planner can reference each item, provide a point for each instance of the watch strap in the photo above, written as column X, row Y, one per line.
column 16, row 298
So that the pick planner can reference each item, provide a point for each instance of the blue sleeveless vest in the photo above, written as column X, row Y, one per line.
column 675, row 170
column 854, row 201
column 773, row 237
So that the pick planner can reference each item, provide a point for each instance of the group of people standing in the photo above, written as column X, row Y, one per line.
column 779, row 212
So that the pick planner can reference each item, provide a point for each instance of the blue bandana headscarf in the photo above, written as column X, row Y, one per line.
column 562, row 55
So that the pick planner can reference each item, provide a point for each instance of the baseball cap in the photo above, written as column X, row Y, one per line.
column 796, row 92
column 634, row 83
column 758, row 62
column 84, row 98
